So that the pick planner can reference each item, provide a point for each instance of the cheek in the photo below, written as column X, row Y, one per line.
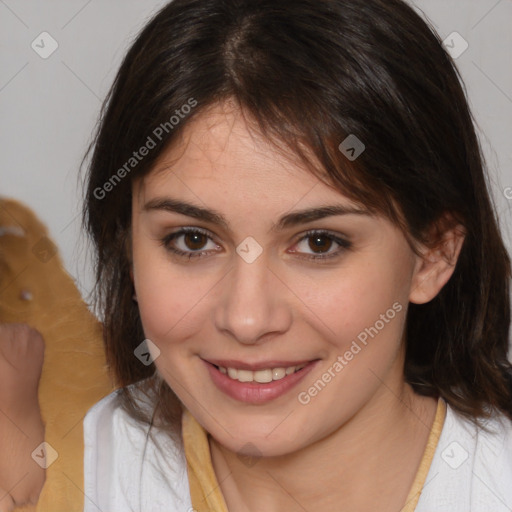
column 166, row 305
column 367, row 301
column 172, row 300
column 161, row 298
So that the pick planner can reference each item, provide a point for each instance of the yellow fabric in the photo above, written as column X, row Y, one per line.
column 35, row 289
column 426, row 460
column 205, row 490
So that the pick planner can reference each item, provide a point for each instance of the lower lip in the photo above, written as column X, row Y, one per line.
column 252, row 392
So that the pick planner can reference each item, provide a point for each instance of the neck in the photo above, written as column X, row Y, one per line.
column 368, row 462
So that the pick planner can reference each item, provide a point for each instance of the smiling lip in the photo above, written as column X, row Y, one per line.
column 254, row 392
column 240, row 365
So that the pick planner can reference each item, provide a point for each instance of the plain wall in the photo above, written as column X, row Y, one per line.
column 48, row 107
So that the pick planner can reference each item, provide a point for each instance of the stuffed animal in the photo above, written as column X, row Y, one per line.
column 36, row 290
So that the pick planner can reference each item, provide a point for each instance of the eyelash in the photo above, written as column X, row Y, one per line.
column 343, row 244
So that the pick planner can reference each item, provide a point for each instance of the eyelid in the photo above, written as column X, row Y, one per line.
column 324, row 232
column 191, row 229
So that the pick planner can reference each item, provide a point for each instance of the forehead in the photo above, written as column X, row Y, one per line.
column 222, row 148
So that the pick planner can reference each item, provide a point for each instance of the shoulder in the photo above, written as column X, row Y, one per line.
column 471, row 468
column 128, row 466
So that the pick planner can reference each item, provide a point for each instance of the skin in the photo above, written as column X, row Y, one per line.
column 21, row 425
column 359, row 441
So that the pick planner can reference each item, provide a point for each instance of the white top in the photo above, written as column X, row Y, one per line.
column 124, row 471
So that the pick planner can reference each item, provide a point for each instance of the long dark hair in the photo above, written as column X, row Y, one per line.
column 310, row 73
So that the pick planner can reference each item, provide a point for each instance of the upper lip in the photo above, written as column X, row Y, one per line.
column 263, row 365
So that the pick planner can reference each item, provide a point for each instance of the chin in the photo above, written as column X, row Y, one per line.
column 258, row 439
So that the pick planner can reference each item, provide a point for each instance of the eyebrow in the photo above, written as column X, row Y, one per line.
column 286, row 221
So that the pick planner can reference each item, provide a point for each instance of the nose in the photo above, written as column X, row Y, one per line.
column 253, row 305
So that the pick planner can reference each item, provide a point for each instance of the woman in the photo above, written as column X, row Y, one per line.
column 302, row 280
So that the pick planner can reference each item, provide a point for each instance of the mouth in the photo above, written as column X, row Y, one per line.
column 262, row 376
column 257, row 384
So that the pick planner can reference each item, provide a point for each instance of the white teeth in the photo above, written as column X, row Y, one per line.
column 261, row 376
column 278, row 373
column 245, row 376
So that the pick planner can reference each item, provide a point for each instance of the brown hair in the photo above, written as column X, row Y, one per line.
column 311, row 72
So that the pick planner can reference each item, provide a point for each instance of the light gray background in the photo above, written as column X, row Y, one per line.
column 48, row 107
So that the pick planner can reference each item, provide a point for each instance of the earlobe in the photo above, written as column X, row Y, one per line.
column 435, row 266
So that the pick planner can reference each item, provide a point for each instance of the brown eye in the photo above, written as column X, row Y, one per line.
column 190, row 243
column 320, row 243
column 195, row 241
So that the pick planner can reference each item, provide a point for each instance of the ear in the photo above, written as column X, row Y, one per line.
column 436, row 262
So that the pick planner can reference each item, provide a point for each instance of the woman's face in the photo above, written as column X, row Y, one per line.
column 245, row 263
